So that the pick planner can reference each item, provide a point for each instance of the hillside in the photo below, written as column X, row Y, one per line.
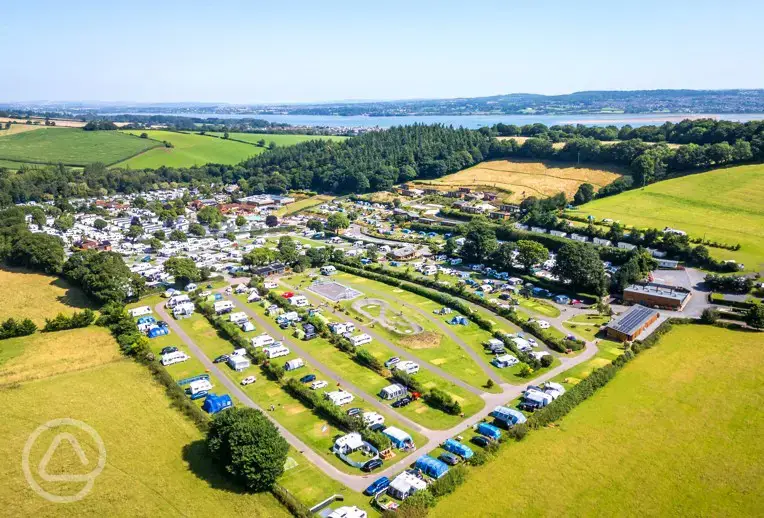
column 723, row 205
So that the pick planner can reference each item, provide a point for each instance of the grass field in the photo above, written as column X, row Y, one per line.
column 526, row 178
column 19, row 128
column 306, row 203
column 676, row 433
column 280, row 140
column 37, row 296
column 156, row 464
column 190, row 150
column 724, row 205
column 71, row 146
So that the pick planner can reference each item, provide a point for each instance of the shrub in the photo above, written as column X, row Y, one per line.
column 546, row 361
column 61, row 322
column 12, row 328
column 449, row 482
column 709, row 316
column 442, row 400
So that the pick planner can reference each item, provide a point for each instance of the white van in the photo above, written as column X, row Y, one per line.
column 174, row 357
column 408, row 367
column 199, row 386
column 294, row 364
column 359, row 340
column 275, row 352
column 263, row 340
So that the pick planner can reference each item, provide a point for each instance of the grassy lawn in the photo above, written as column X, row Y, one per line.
column 539, row 306
column 306, row 203
column 156, row 463
column 37, row 296
column 280, row 140
column 722, row 205
column 676, row 433
column 586, row 326
column 189, row 150
column 71, row 146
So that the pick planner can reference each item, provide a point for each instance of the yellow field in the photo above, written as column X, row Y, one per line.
column 303, row 204
column 18, row 128
column 37, row 296
column 560, row 145
column 525, row 178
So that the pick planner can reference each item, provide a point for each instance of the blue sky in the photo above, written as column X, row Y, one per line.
column 296, row 51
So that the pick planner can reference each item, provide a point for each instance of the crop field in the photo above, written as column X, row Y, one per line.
column 37, row 296
column 190, row 150
column 19, row 128
column 303, row 204
column 663, row 438
column 157, row 468
column 71, row 146
column 724, row 205
column 518, row 179
column 280, row 140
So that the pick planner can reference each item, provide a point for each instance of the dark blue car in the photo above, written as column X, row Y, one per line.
column 377, row 486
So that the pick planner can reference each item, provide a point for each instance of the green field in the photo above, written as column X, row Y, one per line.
column 280, row 140
column 71, row 146
column 190, row 150
column 676, row 433
column 724, row 205
column 155, row 458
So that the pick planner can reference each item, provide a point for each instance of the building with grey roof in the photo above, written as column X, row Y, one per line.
column 628, row 326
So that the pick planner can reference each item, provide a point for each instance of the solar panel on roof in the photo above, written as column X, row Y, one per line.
column 633, row 319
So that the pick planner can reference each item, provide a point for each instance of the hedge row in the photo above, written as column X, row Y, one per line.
column 62, row 322
column 12, row 328
column 413, row 284
column 717, row 298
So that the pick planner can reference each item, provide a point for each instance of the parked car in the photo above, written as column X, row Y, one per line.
column 372, row 465
column 220, row 359
column 167, row 350
column 481, row 440
column 377, row 486
column 248, row 380
column 529, row 406
column 405, row 400
column 318, row 384
column 287, row 294
column 308, row 378
column 354, row 411
column 162, row 323
column 450, row 459
column 392, row 361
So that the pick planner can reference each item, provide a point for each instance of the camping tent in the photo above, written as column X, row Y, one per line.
column 489, row 430
column 508, row 416
column 158, row 331
column 458, row 448
column 431, row 467
column 214, row 403
column 398, row 437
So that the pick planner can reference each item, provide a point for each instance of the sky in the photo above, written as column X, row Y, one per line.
column 308, row 51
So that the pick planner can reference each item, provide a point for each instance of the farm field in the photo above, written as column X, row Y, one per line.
column 37, row 296
column 722, row 205
column 71, row 146
column 306, row 203
column 19, row 128
column 279, row 139
column 519, row 179
column 155, row 470
column 190, row 150
column 662, row 438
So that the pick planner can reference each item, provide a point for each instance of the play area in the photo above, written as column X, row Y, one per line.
column 334, row 291
column 380, row 311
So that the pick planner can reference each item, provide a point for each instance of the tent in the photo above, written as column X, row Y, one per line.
column 458, row 448
column 214, row 403
column 489, row 430
column 398, row 437
column 146, row 320
column 431, row 467
column 158, row 331
column 508, row 416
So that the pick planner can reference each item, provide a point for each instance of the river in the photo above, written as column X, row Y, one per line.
column 472, row 121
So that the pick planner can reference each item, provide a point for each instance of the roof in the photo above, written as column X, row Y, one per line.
column 659, row 290
column 351, row 441
column 397, row 434
column 348, row 512
column 631, row 321
column 431, row 466
column 405, row 481
column 508, row 414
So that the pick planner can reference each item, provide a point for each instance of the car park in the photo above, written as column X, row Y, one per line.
column 248, row 380
column 316, row 385
column 308, row 378
column 220, row 359
column 372, row 465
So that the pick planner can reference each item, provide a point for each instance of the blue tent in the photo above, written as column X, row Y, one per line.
column 489, row 430
column 146, row 320
column 458, row 448
column 158, row 331
column 214, row 403
column 431, row 467
column 508, row 416
column 458, row 320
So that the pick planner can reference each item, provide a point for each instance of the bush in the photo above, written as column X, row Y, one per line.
column 12, row 328
column 709, row 316
column 442, row 400
column 547, row 361
column 449, row 482
column 61, row 322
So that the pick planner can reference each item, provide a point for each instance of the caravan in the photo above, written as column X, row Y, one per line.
column 177, row 299
column 173, row 358
column 359, row 340
column 294, row 364
column 275, row 351
column 299, row 301
column 139, row 312
column 408, row 367
column 339, row 397
column 263, row 340
column 223, row 306
column 238, row 318
column 202, row 385
column 371, row 419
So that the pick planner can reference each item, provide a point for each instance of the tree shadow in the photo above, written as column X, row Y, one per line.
column 201, row 464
